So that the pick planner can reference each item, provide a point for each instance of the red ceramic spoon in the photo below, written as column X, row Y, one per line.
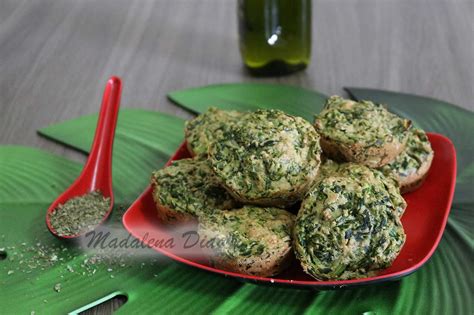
column 97, row 172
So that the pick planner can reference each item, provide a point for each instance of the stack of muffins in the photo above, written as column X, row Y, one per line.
column 343, row 176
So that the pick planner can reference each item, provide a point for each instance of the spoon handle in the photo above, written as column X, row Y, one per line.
column 99, row 163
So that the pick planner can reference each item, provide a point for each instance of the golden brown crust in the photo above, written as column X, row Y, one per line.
column 250, row 240
column 331, row 150
column 261, row 266
column 373, row 157
column 412, row 186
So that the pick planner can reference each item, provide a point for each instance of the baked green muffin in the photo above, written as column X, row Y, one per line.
column 330, row 168
column 388, row 181
column 186, row 189
column 327, row 168
column 268, row 158
column 250, row 240
column 347, row 228
column 207, row 127
column 360, row 132
column 412, row 165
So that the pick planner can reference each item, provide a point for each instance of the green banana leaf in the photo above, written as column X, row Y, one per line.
column 442, row 286
column 251, row 96
column 36, row 261
column 144, row 141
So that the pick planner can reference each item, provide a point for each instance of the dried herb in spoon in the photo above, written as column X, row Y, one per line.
column 80, row 214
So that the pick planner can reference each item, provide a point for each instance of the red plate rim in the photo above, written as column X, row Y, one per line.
column 310, row 283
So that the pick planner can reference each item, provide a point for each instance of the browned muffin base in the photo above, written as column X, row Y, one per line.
column 372, row 157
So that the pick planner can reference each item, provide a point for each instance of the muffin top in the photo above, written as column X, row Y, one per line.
column 248, row 232
column 388, row 182
column 269, row 157
column 207, row 127
column 417, row 152
column 346, row 228
column 327, row 168
column 190, row 186
column 364, row 123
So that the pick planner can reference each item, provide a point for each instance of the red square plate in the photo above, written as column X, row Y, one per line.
column 424, row 221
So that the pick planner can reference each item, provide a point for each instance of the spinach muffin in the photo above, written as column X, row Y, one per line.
column 347, row 227
column 250, row 240
column 186, row 189
column 327, row 169
column 207, row 127
column 387, row 181
column 268, row 158
column 412, row 165
column 361, row 132
column 330, row 168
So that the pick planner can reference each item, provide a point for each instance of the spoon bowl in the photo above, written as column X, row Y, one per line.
column 97, row 172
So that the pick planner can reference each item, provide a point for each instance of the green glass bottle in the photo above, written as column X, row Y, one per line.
column 275, row 35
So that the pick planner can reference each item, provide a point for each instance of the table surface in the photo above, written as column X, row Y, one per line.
column 55, row 56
